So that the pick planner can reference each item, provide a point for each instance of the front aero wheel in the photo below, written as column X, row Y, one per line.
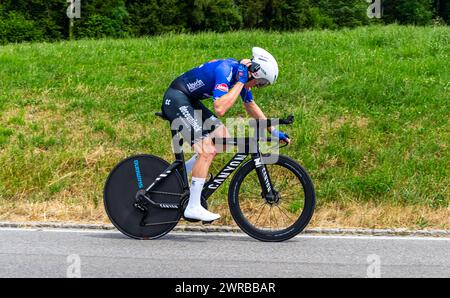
column 282, row 219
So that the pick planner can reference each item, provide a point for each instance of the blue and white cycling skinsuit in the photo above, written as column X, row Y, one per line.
column 213, row 79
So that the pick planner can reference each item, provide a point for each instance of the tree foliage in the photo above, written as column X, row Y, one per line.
column 417, row 12
column 30, row 20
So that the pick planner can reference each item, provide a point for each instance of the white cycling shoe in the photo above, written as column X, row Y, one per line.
column 200, row 213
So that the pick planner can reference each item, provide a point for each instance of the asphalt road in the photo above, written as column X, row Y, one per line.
column 80, row 253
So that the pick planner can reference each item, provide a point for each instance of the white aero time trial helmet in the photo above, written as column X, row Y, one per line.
column 264, row 67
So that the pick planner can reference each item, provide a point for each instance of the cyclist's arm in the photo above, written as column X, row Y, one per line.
column 226, row 101
column 255, row 112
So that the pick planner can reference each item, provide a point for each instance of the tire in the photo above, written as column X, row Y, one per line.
column 245, row 210
column 120, row 195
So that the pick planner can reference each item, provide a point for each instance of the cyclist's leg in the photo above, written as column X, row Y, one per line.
column 220, row 132
column 178, row 108
column 206, row 152
column 212, row 125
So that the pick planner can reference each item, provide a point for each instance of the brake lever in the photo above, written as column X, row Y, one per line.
column 288, row 121
column 284, row 145
column 277, row 146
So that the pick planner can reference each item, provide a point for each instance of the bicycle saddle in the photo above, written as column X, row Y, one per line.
column 161, row 115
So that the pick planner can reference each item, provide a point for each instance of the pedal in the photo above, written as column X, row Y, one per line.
column 190, row 220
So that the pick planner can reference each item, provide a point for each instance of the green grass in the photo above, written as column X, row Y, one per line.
column 372, row 107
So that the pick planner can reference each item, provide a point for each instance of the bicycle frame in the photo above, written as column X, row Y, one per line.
column 249, row 146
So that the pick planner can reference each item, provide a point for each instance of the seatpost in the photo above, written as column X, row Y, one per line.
column 177, row 146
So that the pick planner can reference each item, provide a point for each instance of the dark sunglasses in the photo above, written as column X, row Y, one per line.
column 262, row 83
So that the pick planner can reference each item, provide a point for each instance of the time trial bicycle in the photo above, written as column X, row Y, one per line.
column 145, row 196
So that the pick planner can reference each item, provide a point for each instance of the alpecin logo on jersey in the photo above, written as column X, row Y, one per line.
column 195, row 86
column 222, row 87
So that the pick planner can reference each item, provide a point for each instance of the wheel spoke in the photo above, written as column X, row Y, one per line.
column 270, row 218
column 262, row 208
column 254, row 198
column 254, row 193
column 292, row 193
column 280, row 186
column 282, row 211
column 285, row 186
column 274, row 216
column 282, row 217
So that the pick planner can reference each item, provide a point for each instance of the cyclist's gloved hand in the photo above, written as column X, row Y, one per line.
column 281, row 136
column 243, row 74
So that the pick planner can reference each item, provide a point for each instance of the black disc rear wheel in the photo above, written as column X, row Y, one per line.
column 125, row 180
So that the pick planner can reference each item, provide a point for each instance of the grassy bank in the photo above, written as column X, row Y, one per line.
column 372, row 103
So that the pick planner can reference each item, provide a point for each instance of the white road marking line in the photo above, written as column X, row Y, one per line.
column 363, row 237
column 180, row 233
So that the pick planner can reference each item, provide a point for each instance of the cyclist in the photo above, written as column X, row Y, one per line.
column 223, row 80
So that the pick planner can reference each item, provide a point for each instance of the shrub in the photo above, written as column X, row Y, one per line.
column 15, row 28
